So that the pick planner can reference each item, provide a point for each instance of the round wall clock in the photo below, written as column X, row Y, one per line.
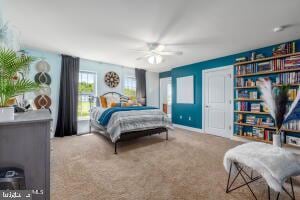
column 112, row 79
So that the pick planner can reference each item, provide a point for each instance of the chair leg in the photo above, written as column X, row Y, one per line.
column 116, row 145
column 227, row 187
column 292, row 186
column 167, row 136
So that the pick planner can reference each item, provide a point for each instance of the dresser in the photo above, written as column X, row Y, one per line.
column 25, row 143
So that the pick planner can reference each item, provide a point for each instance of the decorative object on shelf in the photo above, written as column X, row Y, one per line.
column 112, row 79
column 43, row 100
column 11, row 85
column 259, row 56
column 241, row 59
column 253, row 54
column 276, row 100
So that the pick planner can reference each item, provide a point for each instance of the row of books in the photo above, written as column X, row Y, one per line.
column 254, row 120
column 293, row 125
column 247, row 69
column 242, row 82
column 247, row 106
column 260, row 133
column 245, row 94
column 273, row 65
column 288, row 78
column 286, row 48
column 255, row 107
column 277, row 64
column 292, row 62
column 268, row 135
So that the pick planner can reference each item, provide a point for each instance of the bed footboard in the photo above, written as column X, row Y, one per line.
column 137, row 134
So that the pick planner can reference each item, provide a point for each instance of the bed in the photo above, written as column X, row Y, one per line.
column 121, row 123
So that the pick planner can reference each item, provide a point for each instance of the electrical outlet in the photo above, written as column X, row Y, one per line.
column 180, row 117
column 190, row 118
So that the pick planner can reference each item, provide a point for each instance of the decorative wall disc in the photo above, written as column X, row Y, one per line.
column 44, row 90
column 42, row 78
column 112, row 79
column 42, row 102
column 42, row 66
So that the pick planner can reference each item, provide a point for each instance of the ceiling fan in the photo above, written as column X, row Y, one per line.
column 155, row 53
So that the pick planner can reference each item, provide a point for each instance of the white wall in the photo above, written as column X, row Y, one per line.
column 101, row 69
column 54, row 61
column 152, row 88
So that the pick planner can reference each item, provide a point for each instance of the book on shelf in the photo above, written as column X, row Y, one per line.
column 263, row 66
column 241, row 82
column 250, row 119
column 288, row 78
column 255, row 107
column 268, row 135
column 277, row 64
column 258, row 132
column 292, row 62
column 292, row 94
column 286, row 48
column 240, row 118
column 293, row 125
column 244, row 94
column 243, row 106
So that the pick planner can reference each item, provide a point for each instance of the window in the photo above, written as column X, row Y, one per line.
column 87, row 87
column 130, row 87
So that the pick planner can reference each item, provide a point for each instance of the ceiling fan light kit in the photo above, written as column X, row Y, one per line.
column 155, row 59
column 155, row 53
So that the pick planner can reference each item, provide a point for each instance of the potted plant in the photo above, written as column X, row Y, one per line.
column 10, row 85
column 276, row 100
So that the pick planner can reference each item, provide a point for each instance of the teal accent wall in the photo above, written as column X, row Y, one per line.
column 165, row 74
column 195, row 110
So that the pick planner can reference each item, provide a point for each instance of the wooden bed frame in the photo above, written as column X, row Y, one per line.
column 126, row 135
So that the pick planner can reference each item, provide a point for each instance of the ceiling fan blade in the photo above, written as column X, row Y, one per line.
column 143, row 57
column 169, row 53
column 160, row 47
column 137, row 50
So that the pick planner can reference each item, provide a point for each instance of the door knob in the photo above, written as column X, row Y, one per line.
column 206, row 106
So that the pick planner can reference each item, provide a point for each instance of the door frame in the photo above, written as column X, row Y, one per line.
column 230, row 134
column 160, row 90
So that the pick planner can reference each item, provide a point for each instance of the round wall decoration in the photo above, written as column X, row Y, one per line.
column 42, row 102
column 42, row 66
column 42, row 78
column 112, row 79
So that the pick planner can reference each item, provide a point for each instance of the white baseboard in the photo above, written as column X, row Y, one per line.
column 188, row 128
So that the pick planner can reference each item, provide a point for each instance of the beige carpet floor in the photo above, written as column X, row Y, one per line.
column 188, row 166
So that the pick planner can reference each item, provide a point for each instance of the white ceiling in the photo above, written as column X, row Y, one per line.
column 106, row 30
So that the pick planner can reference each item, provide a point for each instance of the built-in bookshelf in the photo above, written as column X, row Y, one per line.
column 252, row 118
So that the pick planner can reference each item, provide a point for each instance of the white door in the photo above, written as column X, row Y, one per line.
column 218, row 97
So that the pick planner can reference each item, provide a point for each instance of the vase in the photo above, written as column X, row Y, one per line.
column 277, row 140
column 7, row 113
